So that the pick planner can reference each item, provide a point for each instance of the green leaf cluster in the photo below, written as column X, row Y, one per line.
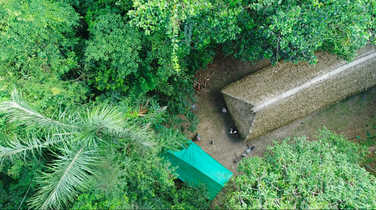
column 113, row 54
column 37, row 36
column 322, row 174
column 294, row 30
column 37, row 40
column 16, row 182
column 140, row 183
column 148, row 46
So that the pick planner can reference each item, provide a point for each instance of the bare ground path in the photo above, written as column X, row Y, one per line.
column 352, row 117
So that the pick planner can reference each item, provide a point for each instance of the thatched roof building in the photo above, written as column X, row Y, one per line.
column 279, row 94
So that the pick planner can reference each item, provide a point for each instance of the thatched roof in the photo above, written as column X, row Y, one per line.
column 280, row 94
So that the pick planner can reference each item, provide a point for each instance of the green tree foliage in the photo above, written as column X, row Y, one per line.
column 294, row 30
column 113, row 53
column 146, row 46
column 47, row 92
column 323, row 174
column 372, row 11
column 143, row 183
column 37, row 39
column 75, row 141
column 187, row 25
column 16, row 182
column 37, row 36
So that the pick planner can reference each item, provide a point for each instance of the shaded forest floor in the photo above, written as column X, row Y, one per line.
column 353, row 117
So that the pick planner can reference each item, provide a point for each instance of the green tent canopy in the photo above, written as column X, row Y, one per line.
column 196, row 168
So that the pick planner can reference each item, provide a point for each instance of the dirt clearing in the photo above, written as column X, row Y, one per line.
column 352, row 117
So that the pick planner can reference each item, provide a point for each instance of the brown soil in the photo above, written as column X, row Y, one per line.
column 351, row 117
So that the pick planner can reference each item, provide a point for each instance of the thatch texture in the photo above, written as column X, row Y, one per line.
column 279, row 94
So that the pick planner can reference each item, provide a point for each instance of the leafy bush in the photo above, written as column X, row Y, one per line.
column 140, row 183
column 111, row 55
column 37, row 36
column 148, row 46
column 17, row 182
column 372, row 11
column 37, row 39
column 47, row 92
column 294, row 30
column 323, row 174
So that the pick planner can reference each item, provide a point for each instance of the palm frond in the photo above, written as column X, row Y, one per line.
column 20, row 112
column 137, row 134
column 105, row 118
column 17, row 148
column 110, row 122
column 68, row 175
column 73, row 165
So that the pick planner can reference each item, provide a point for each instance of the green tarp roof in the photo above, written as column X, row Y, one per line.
column 195, row 167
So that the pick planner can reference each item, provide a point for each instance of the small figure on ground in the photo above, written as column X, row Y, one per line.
column 196, row 137
column 224, row 110
column 194, row 107
column 249, row 149
column 211, row 142
column 236, row 159
column 233, row 131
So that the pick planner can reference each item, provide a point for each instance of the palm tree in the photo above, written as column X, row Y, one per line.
column 76, row 142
